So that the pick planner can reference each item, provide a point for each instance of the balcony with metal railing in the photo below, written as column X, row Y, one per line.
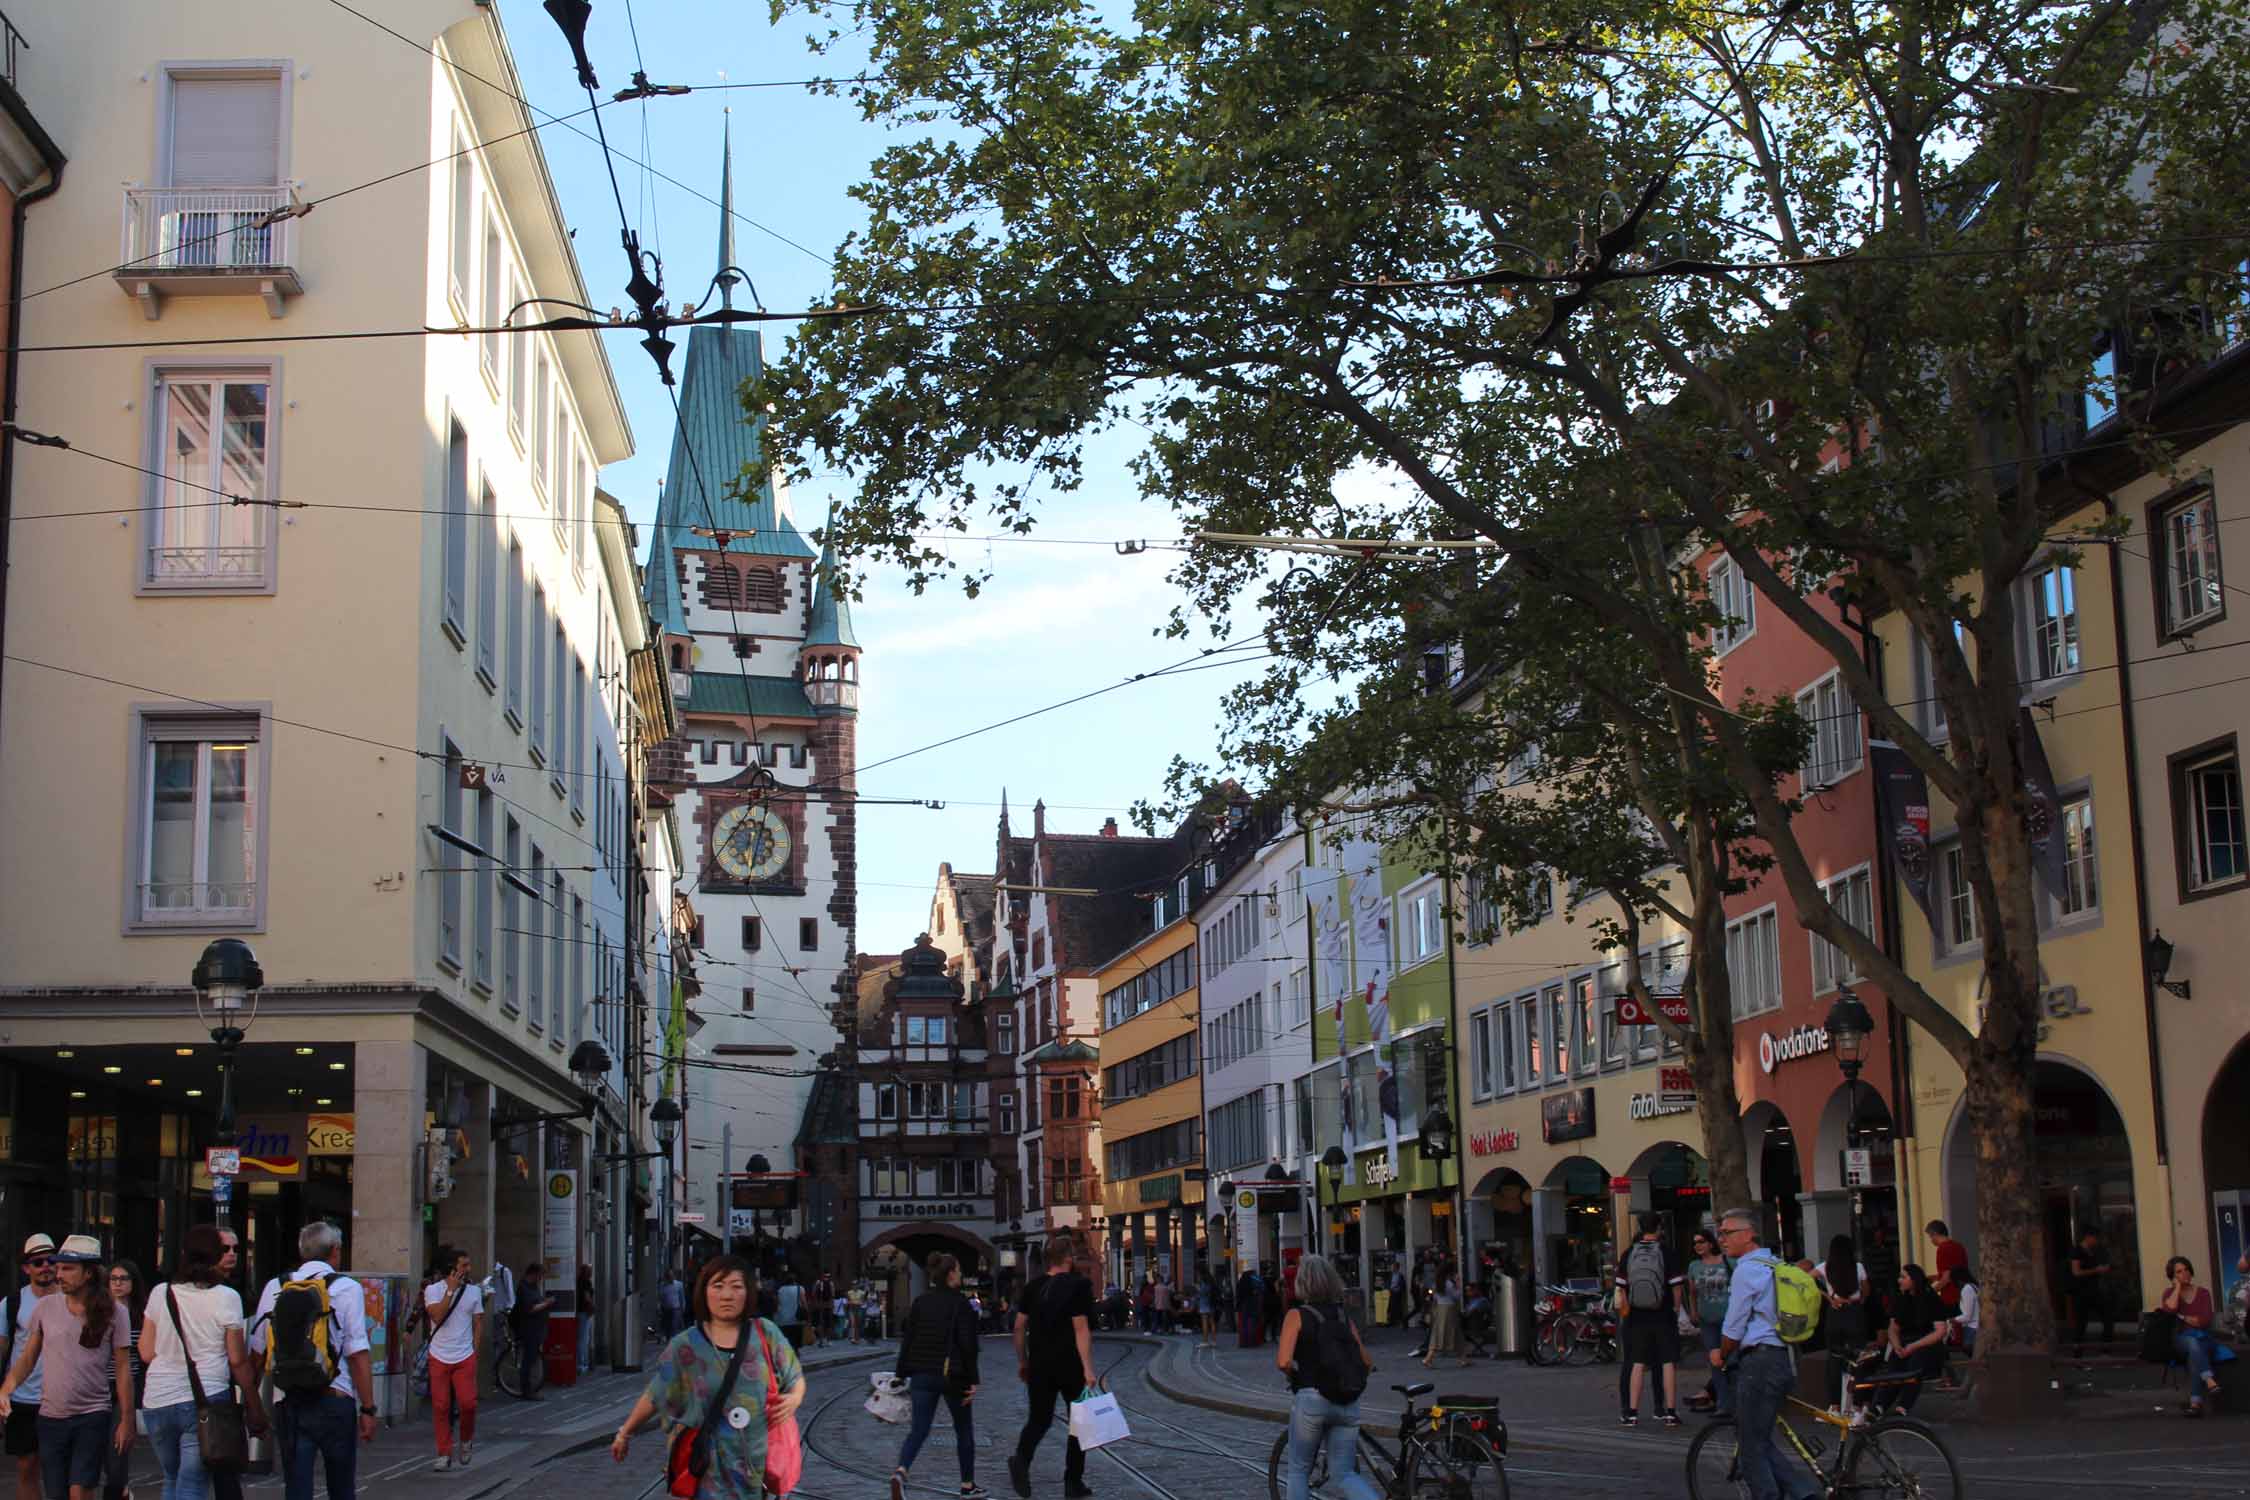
column 210, row 242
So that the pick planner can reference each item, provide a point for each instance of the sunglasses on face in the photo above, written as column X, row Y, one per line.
column 37, row 1263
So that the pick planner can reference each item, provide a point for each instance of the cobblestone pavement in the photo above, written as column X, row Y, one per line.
column 1562, row 1424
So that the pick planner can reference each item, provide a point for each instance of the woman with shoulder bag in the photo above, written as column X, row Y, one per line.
column 937, row 1355
column 727, row 1391
column 191, row 1340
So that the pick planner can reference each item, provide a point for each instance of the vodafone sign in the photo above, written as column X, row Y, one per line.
column 1673, row 1008
column 1774, row 1049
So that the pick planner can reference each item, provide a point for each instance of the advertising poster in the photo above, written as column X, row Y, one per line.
column 1902, row 811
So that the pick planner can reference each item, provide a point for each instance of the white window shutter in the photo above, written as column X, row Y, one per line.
column 226, row 132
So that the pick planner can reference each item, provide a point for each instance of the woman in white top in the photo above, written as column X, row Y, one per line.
column 453, row 1309
column 1970, row 1315
column 209, row 1314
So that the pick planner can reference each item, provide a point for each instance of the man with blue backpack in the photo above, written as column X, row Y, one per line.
column 310, row 1332
column 1770, row 1306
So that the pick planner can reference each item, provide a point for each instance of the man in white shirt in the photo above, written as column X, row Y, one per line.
column 324, row 1425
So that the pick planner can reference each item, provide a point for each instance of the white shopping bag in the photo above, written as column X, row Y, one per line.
column 888, row 1402
column 1098, row 1421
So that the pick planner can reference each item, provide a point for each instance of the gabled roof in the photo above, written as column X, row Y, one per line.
column 831, row 1111
column 1064, row 1049
column 1093, row 929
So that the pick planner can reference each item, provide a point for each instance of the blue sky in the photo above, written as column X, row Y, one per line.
column 1055, row 621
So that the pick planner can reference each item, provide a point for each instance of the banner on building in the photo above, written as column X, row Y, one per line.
column 675, row 1040
column 1902, row 809
column 2042, row 808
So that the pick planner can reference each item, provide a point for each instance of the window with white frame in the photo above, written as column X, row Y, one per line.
column 462, row 227
column 452, row 860
column 1834, row 750
column 535, row 655
column 566, row 472
column 582, row 522
column 542, row 418
column 1007, row 1109
column 1542, row 903
column 577, row 733
column 2187, row 535
column 1853, row 896
column 1421, row 924
column 519, row 365
column 1004, row 1033
column 456, row 529
column 1585, row 1026
column 1527, row 1026
column 562, row 998
column 213, row 439
column 2081, row 893
column 2207, row 794
column 202, row 833
column 485, row 895
column 1734, row 600
column 488, row 585
column 511, row 850
column 514, row 630
column 1957, row 898
column 1506, row 1064
column 535, row 940
column 560, row 752
column 495, row 288
column 1483, row 1080
column 1558, row 1028
column 1608, row 985
column 1929, row 708
column 1754, row 963
column 1483, row 921
column 2050, row 623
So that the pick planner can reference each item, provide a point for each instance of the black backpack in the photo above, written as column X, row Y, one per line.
column 1328, row 1356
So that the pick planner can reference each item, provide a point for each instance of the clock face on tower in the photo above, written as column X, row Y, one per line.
column 750, row 843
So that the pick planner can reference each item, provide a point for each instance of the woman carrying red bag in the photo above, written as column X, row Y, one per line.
column 727, row 1391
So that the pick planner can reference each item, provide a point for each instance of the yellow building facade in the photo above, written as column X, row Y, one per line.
column 1152, row 1105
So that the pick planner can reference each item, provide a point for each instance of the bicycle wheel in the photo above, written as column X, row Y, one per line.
column 1454, row 1466
column 1576, row 1337
column 504, row 1365
column 1543, row 1350
column 1901, row 1457
column 1714, row 1466
column 1277, row 1468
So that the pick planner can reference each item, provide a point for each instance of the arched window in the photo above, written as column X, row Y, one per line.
column 761, row 591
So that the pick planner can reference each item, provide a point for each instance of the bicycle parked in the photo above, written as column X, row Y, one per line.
column 1574, row 1328
column 1878, row 1451
column 1454, row 1449
column 507, row 1361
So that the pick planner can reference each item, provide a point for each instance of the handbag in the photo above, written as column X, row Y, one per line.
column 689, row 1458
column 219, row 1432
column 2158, row 1325
column 421, row 1376
column 785, row 1447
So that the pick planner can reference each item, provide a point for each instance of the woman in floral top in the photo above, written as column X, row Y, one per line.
column 690, row 1370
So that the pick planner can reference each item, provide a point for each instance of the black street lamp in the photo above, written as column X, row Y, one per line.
column 227, row 980
column 759, row 1167
column 1333, row 1161
column 2160, row 951
column 1850, row 1026
column 1437, row 1134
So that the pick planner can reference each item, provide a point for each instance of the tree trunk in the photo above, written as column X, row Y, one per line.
column 1709, row 1046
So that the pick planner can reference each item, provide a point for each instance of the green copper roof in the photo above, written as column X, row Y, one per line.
column 831, row 623
column 1067, row 1050
column 739, row 693
column 717, row 479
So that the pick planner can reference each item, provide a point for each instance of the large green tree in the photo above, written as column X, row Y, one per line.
column 1828, row 281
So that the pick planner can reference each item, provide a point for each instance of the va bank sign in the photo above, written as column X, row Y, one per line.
column 1774, row 1049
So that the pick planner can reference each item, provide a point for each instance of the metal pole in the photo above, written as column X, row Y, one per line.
column 222, row 1188
column 722, row 1204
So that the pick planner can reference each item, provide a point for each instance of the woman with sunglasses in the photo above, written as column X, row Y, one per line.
column 131, row 1296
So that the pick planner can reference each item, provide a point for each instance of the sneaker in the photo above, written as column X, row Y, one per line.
column 1628, row 1419
column 461, row 1453
column 1671, row 1419
column 1019, row 1476
column 1077, row 1492
column 444, row 1464
column 975, row 1492
column 898, row 1484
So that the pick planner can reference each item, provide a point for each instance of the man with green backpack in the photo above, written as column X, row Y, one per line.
column 1771, row 1305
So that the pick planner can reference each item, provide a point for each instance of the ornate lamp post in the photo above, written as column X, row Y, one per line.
column 1332, row 1162
column 227, row 980
column 1850, row 1026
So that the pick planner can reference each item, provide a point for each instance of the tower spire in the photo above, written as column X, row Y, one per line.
column 727, row 276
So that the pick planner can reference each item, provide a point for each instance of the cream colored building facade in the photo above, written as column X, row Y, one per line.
column 265, row 720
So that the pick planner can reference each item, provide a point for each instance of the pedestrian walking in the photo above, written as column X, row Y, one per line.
column 452, row 1308
column 129, row 1295
column 856, row 1309
column 716, row 1377
column 226, row 1484
column 1763, row 1370
column 1160, row 1302
column 1648, row 1308
column 1445, row 1317
column 1144, row 1303
column 1250, row 1308
column 817, row 1315
column 585, row 1309
column 1708, row 1275
column 1843, row 1283
column 38, row 1268
column 1207, row 1307
column 1327, row 1367
column 534, row 1306
column 1054, row 1342
column 789, row 1309
column 671, row 1304
column 194, row 1319
column 1399, row 1300
column 937, row 1357
column 76, row 1341
column 310, row 1332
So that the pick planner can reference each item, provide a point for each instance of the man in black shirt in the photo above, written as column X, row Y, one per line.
column 2089, row 1286
column 1054, row 1357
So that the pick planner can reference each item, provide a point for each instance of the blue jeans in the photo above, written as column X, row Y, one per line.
column 2193, row 1346
column 325, row 1428
column 1314, row 1420
column 1763, row 1377
column 1722, row 1390
column 925, row 1391
column 72, row 1451
column 171, row 1431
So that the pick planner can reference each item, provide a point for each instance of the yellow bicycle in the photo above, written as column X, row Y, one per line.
column 1874, row 1454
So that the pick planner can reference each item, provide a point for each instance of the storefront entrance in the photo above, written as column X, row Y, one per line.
column 2226, row 1167
column 1585, row 1245
column 1779, row 1183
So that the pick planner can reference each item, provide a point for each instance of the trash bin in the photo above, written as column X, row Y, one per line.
column 1511, row 1315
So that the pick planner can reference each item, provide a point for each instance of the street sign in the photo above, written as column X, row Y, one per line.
column 1675, row 1086
column 1630, row 1011
column 1859, row 1167
column 741, row 1220
column 687, row 1218
column 222, row 1161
